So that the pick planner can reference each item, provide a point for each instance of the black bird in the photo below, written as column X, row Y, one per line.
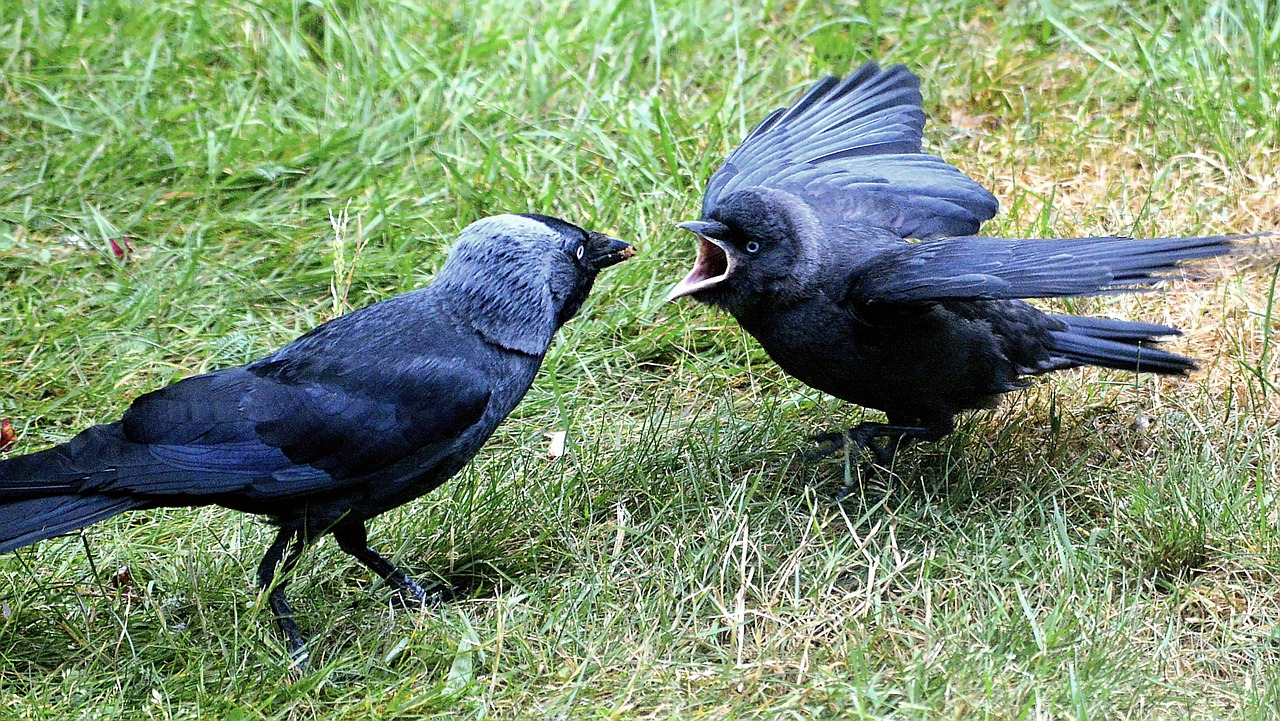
column 804, row 240
column 360, row 415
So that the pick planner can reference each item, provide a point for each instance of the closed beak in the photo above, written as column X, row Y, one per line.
column 615, row 251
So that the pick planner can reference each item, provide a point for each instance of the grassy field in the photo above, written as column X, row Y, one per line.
column 1103, row 546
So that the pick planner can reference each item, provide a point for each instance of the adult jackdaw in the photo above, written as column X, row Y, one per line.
column 803, row 238
column 360, row 415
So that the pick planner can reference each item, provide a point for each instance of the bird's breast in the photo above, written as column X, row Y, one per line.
column 923, row 364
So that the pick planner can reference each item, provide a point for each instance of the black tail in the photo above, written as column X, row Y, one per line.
column 35, row 519
column 1121, row 344
column 40, row 493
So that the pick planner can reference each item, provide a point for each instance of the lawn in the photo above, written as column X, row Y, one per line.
column 1103, row 546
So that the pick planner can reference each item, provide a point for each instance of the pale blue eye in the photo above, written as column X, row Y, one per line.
column 753, row 247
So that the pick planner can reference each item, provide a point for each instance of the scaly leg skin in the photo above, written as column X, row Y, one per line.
column 863, row 437
column 277, row 565
column 353, row 539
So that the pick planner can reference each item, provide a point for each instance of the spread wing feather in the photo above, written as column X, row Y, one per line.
column 852, row 150
column 975, row 268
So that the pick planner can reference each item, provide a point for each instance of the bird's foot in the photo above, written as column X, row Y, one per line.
column 860, row 437
column 827, row 444
column 832, row 443
column 856, row 484
column 412, row 595
column 881, row 440
column 294, row 645
column 299, row 659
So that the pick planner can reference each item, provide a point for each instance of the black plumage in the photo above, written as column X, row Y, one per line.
column 360, row 415
column 849, row 254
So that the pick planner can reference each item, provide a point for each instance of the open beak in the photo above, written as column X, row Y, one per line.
column 615, row 251
column 713, row 266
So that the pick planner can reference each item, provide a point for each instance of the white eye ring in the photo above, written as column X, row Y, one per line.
column 580, row 251
column 753, row 247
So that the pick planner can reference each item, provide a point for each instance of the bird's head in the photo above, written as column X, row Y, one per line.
column 517, row 278
column 756, row 244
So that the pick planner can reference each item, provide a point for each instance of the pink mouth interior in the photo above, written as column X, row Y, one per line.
column 712, row 263
column 712, row 267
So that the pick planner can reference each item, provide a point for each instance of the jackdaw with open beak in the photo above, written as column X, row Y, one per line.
column 360, row 415
column 806, row 239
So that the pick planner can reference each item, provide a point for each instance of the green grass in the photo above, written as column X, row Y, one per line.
column 1049, row 560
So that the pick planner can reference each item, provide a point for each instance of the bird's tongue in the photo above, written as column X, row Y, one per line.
column 712, row 267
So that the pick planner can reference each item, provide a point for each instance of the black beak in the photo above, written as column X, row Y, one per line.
column 705, row 228
column 614, row 251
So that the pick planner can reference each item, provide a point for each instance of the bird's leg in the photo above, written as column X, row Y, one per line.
column 275, row 568
column 353, row 539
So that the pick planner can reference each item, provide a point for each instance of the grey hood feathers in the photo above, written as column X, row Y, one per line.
column 496, row 280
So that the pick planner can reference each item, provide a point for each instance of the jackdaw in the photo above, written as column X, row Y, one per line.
column 362, row 414
column 804, row 240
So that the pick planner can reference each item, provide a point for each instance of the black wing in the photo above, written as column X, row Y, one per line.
column 852, row 150
column 271, row 431
column 975, row 268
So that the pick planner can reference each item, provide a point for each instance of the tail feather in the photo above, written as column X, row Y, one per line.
column 34, row 519
column 39, row 492
column 1121, row 330
column 1119, row 344
column 37, row 474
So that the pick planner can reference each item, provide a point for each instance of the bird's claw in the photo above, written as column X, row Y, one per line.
column 412, row 595
column 827, row 444
column 299, row 658
column 843, row 493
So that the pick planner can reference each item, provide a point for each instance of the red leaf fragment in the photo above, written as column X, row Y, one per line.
column 8, row 436
column 120, row 247
column 126, row 587
column 964, row 121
